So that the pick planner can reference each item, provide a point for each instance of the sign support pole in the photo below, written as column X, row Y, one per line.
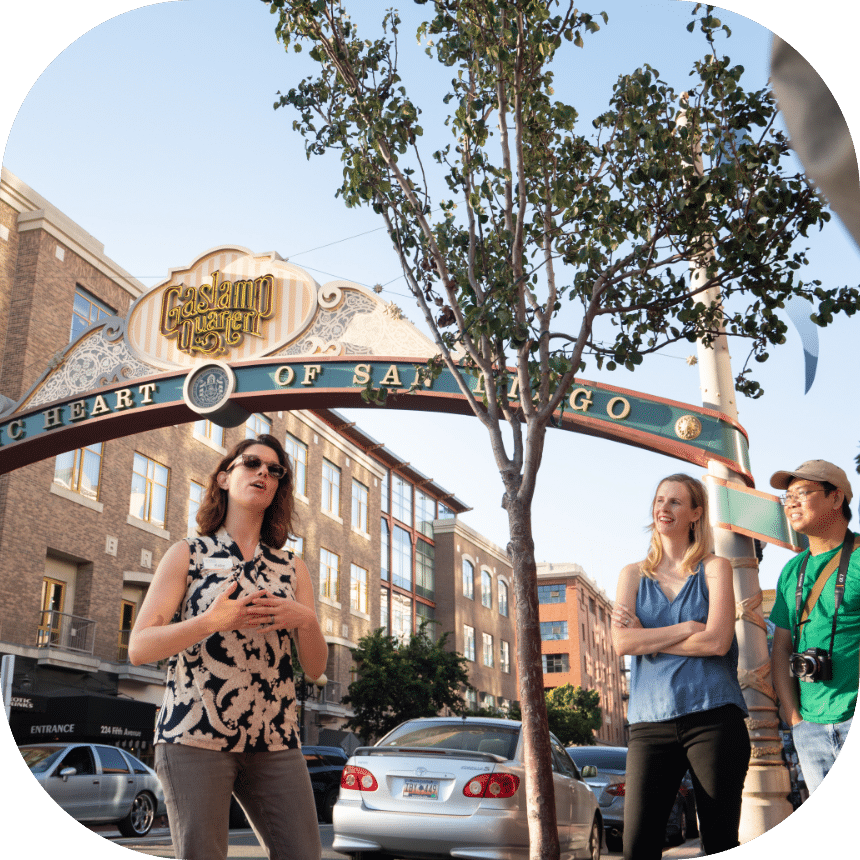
column 767, row 784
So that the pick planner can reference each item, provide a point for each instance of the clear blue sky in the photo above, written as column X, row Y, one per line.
column 155, row 132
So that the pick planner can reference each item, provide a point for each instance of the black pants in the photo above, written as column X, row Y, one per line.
column 715, row 746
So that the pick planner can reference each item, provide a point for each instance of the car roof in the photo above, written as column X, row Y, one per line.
column 484, row 721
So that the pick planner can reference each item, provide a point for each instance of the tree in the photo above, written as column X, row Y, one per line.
column 401, row 681
column 573, row 714
column 542, row 246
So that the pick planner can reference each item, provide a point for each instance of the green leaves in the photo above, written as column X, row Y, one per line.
column 398, row 681
column 536, row 211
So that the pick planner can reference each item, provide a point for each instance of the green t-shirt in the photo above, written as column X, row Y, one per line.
column 824, row 701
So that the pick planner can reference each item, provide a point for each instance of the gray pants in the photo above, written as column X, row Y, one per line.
column 273, row 788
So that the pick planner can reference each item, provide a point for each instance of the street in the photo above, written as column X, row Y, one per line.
column 243, row 843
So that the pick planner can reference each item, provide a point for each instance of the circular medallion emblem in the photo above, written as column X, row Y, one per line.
column 688, row 427
column 209, row 386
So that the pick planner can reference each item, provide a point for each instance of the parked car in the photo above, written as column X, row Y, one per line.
column 96, row 783
column 444, row 787
column 325, row 765
column 609, row 788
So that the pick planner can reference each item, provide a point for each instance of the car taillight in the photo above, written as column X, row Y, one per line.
column 617, row 789
column 358, row 779
column 492, row 785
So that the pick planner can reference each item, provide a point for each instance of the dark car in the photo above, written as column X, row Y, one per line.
column 609, row 788
column 325, row 765
column 97, row 783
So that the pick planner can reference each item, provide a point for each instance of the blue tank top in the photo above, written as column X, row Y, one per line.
column 666, row 686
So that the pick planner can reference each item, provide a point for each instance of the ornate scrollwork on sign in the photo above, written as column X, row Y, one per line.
column 329, row 296
column 99, row 358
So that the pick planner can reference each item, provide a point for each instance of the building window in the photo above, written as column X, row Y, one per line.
column 329, row 573
column 50, row 623
column 401, row 499
column 551, row 594
column 469, row 642
column 553, row 630
column 425, row 512
column 487, row 649
column 80, row 470
column 296, row 545
column 503, row 598
column 505, row 656
column 486, row 589
column 384, row 499
column 423, row 612
column 471, row 699
column 384, row 540
column 359, row 507
column 425, row 577
column 127, row 613
column 401, row 558
column 212, row 433
column 330, row 488
column 488, row 701
column 86, row 310
column 468, row 579
column 445, row 513
column 384, row 614
column 149, row 482
column 555, row 663
column 257, row 425
column 358, row 588
column 401, row 617
column 297, row 451
column 195, row 499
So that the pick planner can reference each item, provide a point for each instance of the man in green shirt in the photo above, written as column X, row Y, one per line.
column 818, row 708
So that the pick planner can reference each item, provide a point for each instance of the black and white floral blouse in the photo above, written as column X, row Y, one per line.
column 233, row 691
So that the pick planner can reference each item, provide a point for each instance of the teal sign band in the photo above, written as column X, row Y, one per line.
column 749, row 512
column 680, row 430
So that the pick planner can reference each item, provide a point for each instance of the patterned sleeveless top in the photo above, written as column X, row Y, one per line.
column 233, row 691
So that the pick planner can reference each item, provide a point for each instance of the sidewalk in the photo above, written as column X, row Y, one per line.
column 691, row 848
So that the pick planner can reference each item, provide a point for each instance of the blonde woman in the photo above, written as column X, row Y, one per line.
column 675, row 615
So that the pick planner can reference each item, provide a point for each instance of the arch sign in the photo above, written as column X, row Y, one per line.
column 237, row 332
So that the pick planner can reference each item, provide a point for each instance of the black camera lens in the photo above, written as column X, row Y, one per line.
column 801, row 665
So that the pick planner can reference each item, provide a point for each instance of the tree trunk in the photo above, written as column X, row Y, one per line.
column 540, row 793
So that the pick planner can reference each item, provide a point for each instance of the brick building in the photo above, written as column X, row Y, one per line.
column 81, row 534
column 575, row 617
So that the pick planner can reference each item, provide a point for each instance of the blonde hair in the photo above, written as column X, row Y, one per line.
column 700, row 537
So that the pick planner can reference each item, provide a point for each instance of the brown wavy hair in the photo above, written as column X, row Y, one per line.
column 278, row 519
column 700, row 533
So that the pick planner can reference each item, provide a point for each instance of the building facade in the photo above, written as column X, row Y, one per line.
column 82, row 533
column 576, row 646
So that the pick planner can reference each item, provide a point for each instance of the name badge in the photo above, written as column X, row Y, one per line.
column 218, row 564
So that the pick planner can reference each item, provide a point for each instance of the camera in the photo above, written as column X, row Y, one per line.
column 814, row 664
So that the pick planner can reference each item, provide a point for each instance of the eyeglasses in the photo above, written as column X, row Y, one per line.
column 253, row 462
column 798, row 497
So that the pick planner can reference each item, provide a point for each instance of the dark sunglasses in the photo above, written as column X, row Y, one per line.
column 253, row 462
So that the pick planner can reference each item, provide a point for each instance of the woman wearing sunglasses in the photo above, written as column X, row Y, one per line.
column 225, row 608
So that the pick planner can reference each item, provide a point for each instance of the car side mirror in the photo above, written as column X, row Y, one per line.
column 66, row 772
column 588, row 771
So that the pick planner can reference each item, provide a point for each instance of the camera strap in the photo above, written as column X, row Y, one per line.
column 848, row 546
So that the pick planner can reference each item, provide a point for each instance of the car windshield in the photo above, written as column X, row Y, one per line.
column 39, row 759
column 601, row 758
column 471, row 737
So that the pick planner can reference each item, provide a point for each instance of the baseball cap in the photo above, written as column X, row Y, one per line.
column 814, row 470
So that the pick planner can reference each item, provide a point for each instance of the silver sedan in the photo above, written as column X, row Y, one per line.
column 446, row 787
column 96, row 783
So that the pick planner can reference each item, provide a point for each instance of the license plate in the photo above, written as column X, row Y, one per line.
column 426, row 788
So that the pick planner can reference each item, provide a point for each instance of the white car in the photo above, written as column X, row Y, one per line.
column 96, row 783
column 443, row 787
